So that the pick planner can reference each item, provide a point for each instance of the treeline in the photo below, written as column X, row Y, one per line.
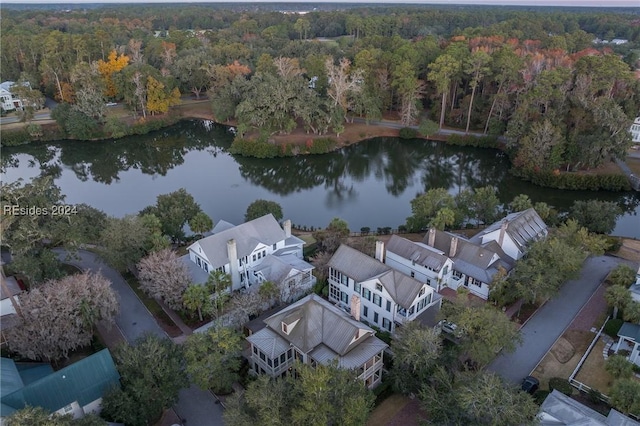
column 564, row 103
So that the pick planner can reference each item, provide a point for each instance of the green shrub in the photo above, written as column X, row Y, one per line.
column 250, row 148
column 574, row 181
column 612, row 327
column 561, row 385
column 15, row 137
column 613, row 243
column 408, row 133
column 475, row 141
column 540, row 396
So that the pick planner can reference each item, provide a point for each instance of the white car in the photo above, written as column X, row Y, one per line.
column 449, row 328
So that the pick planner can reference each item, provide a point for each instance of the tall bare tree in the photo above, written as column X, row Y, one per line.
column 343, row 83
column 163, row 275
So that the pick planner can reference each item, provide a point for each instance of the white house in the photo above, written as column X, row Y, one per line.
column 514, row 233
column 314, row 332
column 418, row 260
column 559, row 409
column 635, row 131
column 251, row 253
column 635, row 287
column 9, row 100
column 629, row 335
column 374, row 292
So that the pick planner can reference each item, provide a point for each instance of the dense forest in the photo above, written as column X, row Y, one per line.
column 563, row 99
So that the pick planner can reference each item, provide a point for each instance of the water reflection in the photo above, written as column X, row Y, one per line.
column 369, row 184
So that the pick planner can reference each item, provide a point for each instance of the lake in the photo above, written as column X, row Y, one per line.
column 367, row 184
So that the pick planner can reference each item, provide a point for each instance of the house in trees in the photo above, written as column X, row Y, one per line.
column 256, row 251
column 313, row 331
column 76, row 389
column 635, row 131
column 375, row 293
column 629, row 340
column 10, row 101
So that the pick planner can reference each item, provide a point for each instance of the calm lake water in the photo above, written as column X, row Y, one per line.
column 367, row 184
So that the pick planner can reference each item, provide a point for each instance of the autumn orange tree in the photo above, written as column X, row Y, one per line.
column 108, row 68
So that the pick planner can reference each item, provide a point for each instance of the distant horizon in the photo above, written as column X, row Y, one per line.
column 534, row 3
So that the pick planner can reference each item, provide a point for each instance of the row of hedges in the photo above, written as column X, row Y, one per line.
column 475, row 141
column 30, row 133
column 575, row 181
column 261, row 148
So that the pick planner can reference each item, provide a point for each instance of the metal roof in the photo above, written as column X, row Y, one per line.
column 269, row 342
column 559, row 409
column 523, row 227
column 277, row 268
column 419, row 253
column 402, row 288
column 197, row 274
column 10, row 380
column 83, row 381
column 247, row 236
column 631, row 331
column 356, row 264
column 360, row 354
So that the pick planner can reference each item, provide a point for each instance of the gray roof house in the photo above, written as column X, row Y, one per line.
column 559, row 409
column 377, row 293
column 514, row 233
column 313, row 331
column 241, row 251
column 629, row 340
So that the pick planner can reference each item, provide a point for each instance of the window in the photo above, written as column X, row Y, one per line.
column 413, row 274
column 289, row 354
column 67, row 409
column 421, row 291
column 386, row 324
column 264, row 253
column 206, row 266
column 378, row 287
column 269, row 362
column 365, row 311
column 335, row 275
column 283, row 358
column 445, row 271
column 375, row 317
column 344, row 297
column 475, row 282
column 366, row 293
column 259, row 255
column 412, row 310
column 198, row 262
column 254, row 257
column 377, row 299
column 334, row 292
column 457, row 274
column 357, row 287
column 275, row 362
column 262, row 356
column 388, row 306
column 285, row 328
column 274, row 246
column 255, row 350
column 344, row 280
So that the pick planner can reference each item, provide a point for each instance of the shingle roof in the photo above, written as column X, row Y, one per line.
column 197, row 274
column 247, row 236
column 356, row 264
column 83, row 381
column 419, row 253
column 319, row 323
column 276, row 268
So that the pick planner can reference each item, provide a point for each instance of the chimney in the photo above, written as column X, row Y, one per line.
column 287, row 228
column 380, row 251
column 432, row 237
column 453, row 248
column 503, row 228
column 355, row 307
column 232, row 254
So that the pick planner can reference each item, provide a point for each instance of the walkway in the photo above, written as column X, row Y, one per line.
column 196, row 406
column 542, row 330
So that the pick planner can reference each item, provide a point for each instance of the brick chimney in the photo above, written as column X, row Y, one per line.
column 432, row 237
column 453, row 248
column 232, row 254
column 355, row 307
column 287, row 228
column 380, row 251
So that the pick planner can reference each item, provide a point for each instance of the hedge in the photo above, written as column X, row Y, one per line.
column 561, row 385
column 612, row 327
column 475, row 141
column 575, row 181
column 21, row 136
column 408, row 133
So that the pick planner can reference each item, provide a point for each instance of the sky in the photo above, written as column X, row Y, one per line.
column 576, row 3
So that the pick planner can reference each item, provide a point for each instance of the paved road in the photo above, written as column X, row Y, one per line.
column 40, row 115
column 542, row 330
column 196, row 406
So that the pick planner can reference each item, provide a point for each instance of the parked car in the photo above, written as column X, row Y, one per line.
column 449, row 328
column 530, row 384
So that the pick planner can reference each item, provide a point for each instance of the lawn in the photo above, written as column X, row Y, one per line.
column 592, row 372
column 563, row 357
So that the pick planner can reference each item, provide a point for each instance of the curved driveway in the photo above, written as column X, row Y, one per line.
column 542, row 330
column 195, row 406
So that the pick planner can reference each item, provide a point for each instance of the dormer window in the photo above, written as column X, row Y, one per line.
column 421, row 292
column 378, row 287
column 285, row 328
